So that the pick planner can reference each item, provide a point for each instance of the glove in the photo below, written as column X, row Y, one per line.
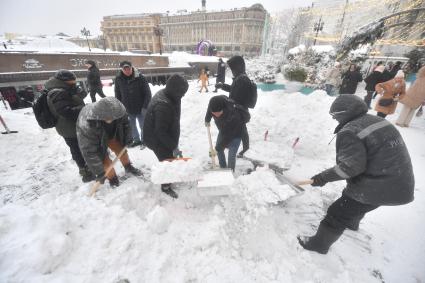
column 101, row 178
column 212, row 153
column 207, row 124
column 318, row 181
column 177, row 153
column 218, row 85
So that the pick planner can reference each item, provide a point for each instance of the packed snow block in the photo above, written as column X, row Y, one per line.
column 176, row 171
column 158, row 220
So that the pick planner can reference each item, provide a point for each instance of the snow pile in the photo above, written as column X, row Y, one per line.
column 158, row 220
column 179, row 58
column 176, row 171
column 297, row 49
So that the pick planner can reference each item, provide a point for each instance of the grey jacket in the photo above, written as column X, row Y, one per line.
column 65, row 102
column 371, row 155
column 91, row 133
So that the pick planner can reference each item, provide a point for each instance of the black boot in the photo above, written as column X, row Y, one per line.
column 166, row 188
column 114, row 182
column 86, row 175
column 321, row 242
column 132, row 170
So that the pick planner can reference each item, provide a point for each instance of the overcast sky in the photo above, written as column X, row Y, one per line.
column 53, row 16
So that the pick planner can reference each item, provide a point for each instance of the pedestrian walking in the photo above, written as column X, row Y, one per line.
column 93, row 80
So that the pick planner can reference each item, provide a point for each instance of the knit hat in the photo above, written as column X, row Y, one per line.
column 217, row 103
column 400, row 74
column 237, row 64
column 65, row 75
column 125, row 64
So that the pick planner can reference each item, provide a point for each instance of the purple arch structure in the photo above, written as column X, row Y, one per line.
column 206, row 48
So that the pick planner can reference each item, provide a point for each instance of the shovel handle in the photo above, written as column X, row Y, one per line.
column 212, row 152
column 305, row 182
column 97, row 184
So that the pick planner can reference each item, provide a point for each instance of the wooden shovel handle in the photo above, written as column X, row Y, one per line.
column 97, row 184
column 305, row 182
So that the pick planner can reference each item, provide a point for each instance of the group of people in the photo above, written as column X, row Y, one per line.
column 89, row 130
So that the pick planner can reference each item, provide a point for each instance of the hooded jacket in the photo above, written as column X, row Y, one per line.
column 241, row 85
column 93, row 78
column 65, row 102
column 375, row 78
column 370, row 155
column 134, row 92
column 92, row 134
column 350, row 80
column 416, row 93
column 161, row 129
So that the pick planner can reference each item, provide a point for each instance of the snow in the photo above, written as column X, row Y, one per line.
column 180, row 59
column 51, row 231
column 297, row 49
column 176, row 171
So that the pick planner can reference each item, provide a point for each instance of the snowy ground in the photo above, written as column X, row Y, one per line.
column 50, row 231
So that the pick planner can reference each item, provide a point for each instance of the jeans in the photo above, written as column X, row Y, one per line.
column 231, row 159
column 134, row 131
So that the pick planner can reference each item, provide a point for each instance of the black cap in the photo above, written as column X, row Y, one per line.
column 125, row 64
column 91, row 62
column 65, row 75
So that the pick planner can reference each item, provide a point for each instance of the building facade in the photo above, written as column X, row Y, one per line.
column 238, row 31
column 132, row 32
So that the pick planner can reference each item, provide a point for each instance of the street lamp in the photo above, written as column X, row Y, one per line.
column 85, row 32
column 318, row 27
column 159, row 32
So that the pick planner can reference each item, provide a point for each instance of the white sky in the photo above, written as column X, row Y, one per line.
column 53, row 16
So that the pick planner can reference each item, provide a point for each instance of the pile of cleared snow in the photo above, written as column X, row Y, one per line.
column 176, row 171
column 179, row 58
column 297, row 49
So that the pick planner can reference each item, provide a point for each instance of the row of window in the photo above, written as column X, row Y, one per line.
column 226, row 48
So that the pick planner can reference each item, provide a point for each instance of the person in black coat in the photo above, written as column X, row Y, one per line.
column 65, row 101
column 373, row 158
column 221, row 73
column 238, row 92
column 350, row 80
column 371, row 81
column 395, row 69
column 93, row 80
column 132, row 89
column 230, row 119
column 162, row 122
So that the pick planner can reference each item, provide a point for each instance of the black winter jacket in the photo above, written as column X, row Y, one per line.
column 373, row 79
column 350, row 81
column 93, row 78
column 221, row 72
column 230, row 123
column 161, row 128
column 134, row 92
column 239, row 90
column 92, row 134
column 65, row 102
column 370, row 155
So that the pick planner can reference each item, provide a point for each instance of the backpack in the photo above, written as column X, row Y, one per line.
column 252, row 95
column 44, row 117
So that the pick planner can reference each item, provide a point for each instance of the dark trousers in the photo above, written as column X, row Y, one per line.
column 162, row 153
column 245, row 139
column 93, row 92
column 75, row 151
column 380, row 114
column 368, row 98
column 344, row 213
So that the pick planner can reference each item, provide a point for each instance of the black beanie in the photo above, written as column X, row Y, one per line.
column 217, row 103
column 65, row 75
column 91, row 62
column 176, row 86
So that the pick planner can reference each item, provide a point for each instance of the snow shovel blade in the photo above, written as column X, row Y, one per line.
column 281, row 177
column 9, row 132
column 216, row 182
column 176, row 170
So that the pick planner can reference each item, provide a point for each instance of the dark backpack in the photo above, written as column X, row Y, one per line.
column 252, row 95
column 45, row 118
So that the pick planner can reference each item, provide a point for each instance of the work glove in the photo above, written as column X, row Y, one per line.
column 177, row 153
column 212, row 153
column 101, row 178
column 219, row 85
column 207, row 124
column 318, row 181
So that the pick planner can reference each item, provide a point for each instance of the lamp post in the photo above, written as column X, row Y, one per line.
column 318, row 27
column 159, row 32
column 85, row 32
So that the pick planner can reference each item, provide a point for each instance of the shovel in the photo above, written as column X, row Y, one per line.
column 7, row 129
column 98, row 184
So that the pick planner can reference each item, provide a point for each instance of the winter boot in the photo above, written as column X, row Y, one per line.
column 114, row 182
column 132, row 170
column 166, row 188
column 321, row 242
column 86, row 175
column 135, row 143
